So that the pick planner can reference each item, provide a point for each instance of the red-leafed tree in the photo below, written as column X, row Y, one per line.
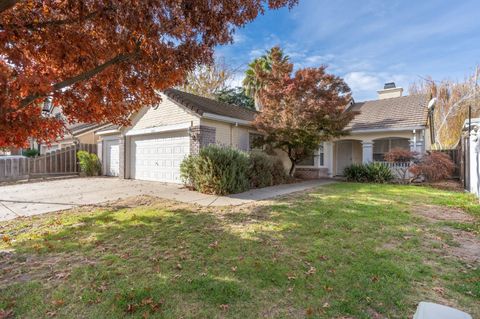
column 301, row 110
column 101, row 60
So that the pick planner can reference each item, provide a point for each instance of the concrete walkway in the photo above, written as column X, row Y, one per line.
column 42, row 197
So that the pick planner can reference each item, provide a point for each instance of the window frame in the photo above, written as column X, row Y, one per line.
column 318, row 158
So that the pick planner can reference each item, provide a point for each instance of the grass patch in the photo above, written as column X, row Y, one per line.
column 353, row 250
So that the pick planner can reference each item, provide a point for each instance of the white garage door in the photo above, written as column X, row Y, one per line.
column 158, row 157
column 112, row 158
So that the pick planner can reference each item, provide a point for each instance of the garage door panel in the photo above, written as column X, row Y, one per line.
column 158, row 157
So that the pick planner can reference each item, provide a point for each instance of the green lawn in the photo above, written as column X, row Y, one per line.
column 340, row 251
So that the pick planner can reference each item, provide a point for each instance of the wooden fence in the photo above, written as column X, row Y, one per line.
column 55, row 163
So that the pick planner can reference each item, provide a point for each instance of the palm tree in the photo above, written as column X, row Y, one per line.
column 252, row 83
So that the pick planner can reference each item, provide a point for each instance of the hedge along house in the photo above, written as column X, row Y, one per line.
column 160, row 137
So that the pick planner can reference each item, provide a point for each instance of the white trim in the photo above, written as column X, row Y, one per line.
column 112, row 131
column 159, row 129
column 91, row 130
column 388, row 130
column 227, row 119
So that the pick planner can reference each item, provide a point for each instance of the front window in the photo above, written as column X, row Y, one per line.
column 253, row 141
column 317, row 159
column 383, row 146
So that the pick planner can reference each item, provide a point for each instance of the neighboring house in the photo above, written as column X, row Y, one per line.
column 158, row 139
column 82, row 133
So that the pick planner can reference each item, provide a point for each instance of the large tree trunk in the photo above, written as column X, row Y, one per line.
column 292, row 168
column 292, row 161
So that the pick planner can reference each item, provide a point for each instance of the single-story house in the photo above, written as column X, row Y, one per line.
column 160, row 137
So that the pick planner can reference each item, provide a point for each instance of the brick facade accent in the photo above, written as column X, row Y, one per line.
column 201, row 136
column 311, row 173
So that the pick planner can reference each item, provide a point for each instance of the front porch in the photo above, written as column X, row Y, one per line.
column 366, row 149
column 333, row 157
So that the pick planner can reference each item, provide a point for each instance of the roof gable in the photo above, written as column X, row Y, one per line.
column 394, row 113
column 201, row 105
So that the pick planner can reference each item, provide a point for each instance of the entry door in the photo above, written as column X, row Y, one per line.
column 344, row 155
column 158, row 157
column 112, row 158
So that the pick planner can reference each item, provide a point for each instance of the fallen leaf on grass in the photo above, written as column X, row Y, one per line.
column 439, row 290
column 58, row 302
column 309, row 311
column 311, row 271
column 326, row 305
column 214, row 244
column 375, row 278
column 6, row 314
column 327, row 288
column 6, row 239
column 224, row 307
column 131, row 308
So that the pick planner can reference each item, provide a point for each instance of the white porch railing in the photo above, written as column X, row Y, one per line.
column 399, row 169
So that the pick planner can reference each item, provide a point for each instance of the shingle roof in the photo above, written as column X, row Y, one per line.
column 401, row 112
column 202, row 105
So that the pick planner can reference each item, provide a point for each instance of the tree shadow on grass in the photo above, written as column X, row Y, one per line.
column 298, row 253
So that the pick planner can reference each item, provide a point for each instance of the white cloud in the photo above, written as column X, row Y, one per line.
column 239, row 38
column 236, row 79
column 362, row 81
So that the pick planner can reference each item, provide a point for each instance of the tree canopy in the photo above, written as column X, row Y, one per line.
column 451, row 107
column 301, row 109
column 236, row 96
column 101, row 60
column 208, row 80
column 254, row 82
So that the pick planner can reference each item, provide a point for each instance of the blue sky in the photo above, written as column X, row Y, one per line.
column 368, row 42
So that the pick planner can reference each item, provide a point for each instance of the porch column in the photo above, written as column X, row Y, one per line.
column 367, row 152
column 328, row 157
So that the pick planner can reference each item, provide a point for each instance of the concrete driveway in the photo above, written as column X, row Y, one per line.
column 42, row 197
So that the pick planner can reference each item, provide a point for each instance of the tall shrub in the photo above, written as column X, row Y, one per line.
column 89, row 163
column 265, row 170
column 217, row 170
column 433, row 167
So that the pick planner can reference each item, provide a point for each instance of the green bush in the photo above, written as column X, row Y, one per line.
column 31, row 152
column 278, row 171
column 368, row 173
column 265, row 170
column 260, row 170
column 89, row 163
column 216, row 170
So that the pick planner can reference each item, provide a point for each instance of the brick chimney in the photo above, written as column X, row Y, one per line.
column 389, row 91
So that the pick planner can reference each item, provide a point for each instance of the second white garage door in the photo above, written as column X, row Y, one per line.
column 158, row 157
